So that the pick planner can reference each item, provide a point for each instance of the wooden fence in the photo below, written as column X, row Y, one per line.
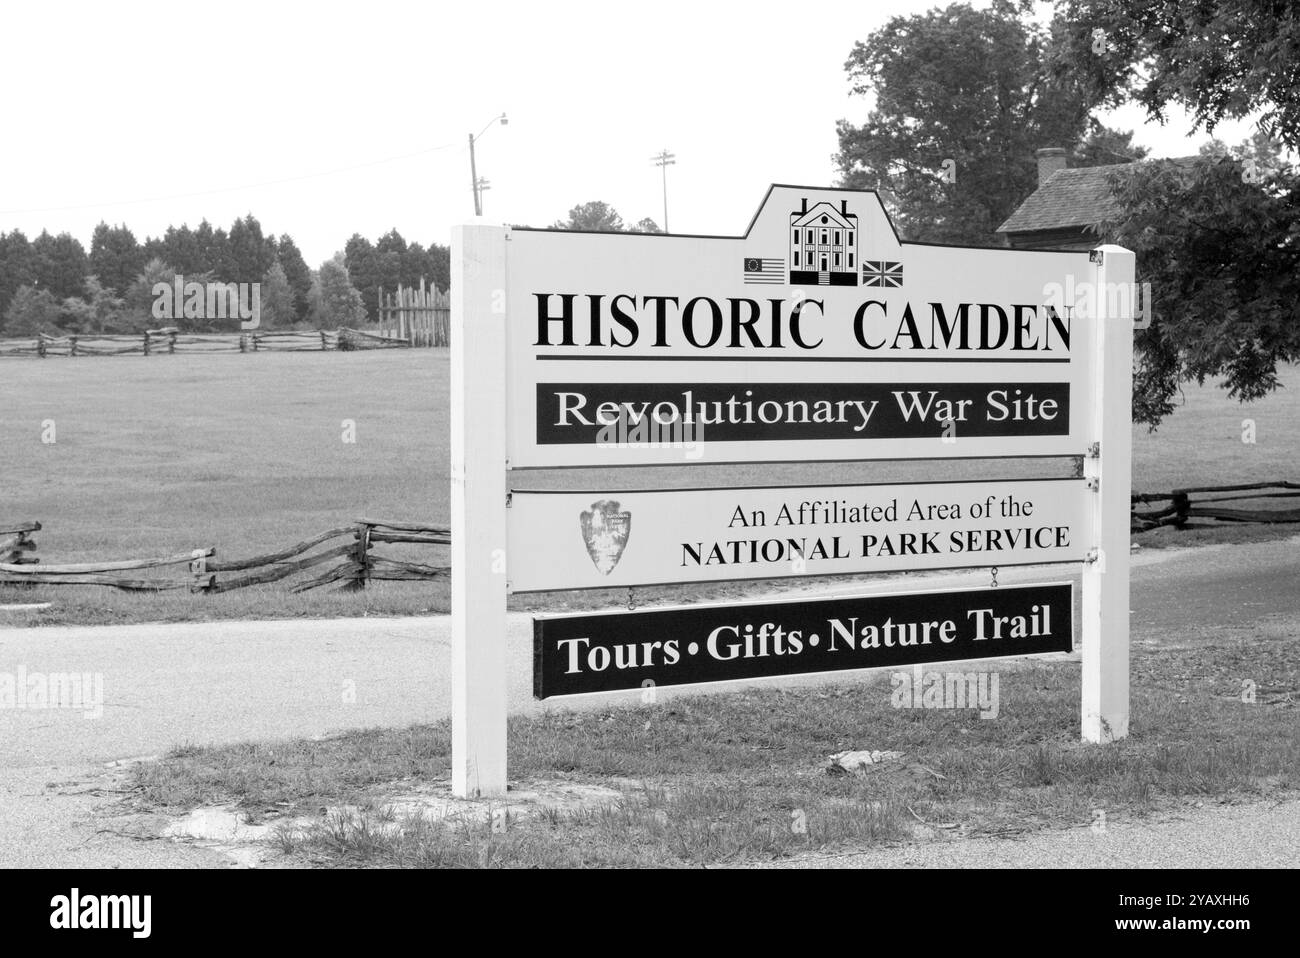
column 1180, row 506
column 421, row 316
column 348, row 548
column 170, row 341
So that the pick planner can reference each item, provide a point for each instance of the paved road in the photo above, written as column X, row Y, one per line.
column 228, row 681
column 1233, row 836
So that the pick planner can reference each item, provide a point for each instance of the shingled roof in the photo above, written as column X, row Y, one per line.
column 1070, row 198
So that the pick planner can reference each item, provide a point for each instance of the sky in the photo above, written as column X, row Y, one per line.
column 326, row 119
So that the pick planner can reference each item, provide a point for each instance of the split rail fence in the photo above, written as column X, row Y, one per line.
column 1179, row 505
column 346, row 553
column 170, row 341
column 345, row 556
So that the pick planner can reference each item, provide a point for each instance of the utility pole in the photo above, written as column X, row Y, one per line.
column 476, row 184
column 483, row 184
column 663, row 161
column 473, row 178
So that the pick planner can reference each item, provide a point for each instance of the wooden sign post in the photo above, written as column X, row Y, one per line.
column 478, row 513
column 818, row 335
column 1108, row 466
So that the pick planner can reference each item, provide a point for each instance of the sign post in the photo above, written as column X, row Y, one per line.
column 1105, row 653
column 478, row 513
column 817, row 336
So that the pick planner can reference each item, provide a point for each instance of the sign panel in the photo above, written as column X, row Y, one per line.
column 818, row 335
column 593, row 540
column 581, row 654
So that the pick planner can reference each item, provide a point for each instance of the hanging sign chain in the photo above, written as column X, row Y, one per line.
column 994, row 583
column 631, row 601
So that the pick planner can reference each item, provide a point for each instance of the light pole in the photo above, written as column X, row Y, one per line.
column 483, row 184
column 663, row 161
column 475, row 183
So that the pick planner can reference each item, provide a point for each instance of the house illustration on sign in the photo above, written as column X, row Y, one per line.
column 824, row 245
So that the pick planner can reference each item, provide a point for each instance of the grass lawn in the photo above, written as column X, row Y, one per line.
column 246, row 453
column 729, row 778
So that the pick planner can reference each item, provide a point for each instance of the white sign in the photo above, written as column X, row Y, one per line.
column 594, row 540
column 818, row 335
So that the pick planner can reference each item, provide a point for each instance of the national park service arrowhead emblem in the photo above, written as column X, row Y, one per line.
column 605, row 530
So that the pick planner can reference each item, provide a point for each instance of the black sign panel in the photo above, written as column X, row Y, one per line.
column 767, row 412
column 578, row 654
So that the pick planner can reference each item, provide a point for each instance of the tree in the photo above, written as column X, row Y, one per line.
column 212, row 248
column 1220, row 247
column 596, row 216
column 963, row 99
column 335, row 301
column 279, row 308
column 249, row 253
column 115, row 256
column 32, row 311
column 1217, row 238
column 1228, row 58
column 432, row 265
column 366, row 268
column 100, row 312
column 184, row 249
column 17, row 266
column 1103, row 146
column 646, row 225
column 139, row 297
column 296, row 272
column 437, row 266
column 61, row 265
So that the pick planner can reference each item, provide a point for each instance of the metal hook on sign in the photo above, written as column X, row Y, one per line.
column 631, row 601
column 994, row 583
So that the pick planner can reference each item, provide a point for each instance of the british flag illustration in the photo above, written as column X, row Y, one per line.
column 881, row 273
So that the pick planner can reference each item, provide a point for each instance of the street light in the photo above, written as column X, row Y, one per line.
column 473, row 169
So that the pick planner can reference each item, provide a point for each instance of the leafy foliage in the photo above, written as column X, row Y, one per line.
column 390, row 261
column 962, row 100
column 598, row 216
column 32, row 311
column 1222, row 59
column 1222, row 256
column 334, row 300
column 278, row 307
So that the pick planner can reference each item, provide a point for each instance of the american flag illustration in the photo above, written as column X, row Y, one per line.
column 759, row 270
column 880, row 273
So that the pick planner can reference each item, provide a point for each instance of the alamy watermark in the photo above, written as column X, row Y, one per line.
column 658, row 427
column 209, row 301
column 945, row 690
column 1088, row 300
column 82, row 691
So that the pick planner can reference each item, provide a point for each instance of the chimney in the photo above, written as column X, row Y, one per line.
column 803, row 205
column 1050, row 160
column 844, row 207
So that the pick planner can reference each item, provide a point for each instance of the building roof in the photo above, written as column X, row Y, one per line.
column 1070, row 199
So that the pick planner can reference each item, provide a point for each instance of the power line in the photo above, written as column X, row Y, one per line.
column 230, row 189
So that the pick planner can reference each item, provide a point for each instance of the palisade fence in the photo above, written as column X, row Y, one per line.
column 345, row 553
column 421, row 316
column 170, row 341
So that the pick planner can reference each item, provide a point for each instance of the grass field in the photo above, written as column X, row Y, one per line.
column 722, row 779
column 247, row 454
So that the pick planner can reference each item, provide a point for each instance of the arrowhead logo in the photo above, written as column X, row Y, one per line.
column 605, row 530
